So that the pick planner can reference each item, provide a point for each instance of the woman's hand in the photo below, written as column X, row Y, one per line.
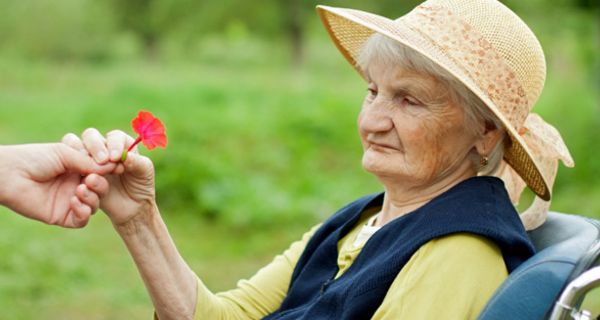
column 129, row 189
column 128, row 199
column 42, row 182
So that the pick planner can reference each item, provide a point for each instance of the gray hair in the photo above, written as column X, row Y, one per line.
column 387, row 51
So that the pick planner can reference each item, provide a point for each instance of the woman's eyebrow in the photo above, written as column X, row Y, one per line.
column 408, row 88
column 424, row 93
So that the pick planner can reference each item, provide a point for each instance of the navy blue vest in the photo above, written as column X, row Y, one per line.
column 477, row 205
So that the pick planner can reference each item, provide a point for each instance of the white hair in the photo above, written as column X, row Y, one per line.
column 382, row 49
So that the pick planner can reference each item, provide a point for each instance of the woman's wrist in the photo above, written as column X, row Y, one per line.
column 144, row 216
column 168, row 279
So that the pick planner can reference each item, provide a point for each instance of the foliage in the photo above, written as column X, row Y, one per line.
column 104, row 29
column 55, row 30
column 258, row 151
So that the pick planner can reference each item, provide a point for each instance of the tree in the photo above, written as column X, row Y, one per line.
column 136, row 16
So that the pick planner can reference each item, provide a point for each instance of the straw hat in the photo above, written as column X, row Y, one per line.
column 480, row 42
column 548, row 149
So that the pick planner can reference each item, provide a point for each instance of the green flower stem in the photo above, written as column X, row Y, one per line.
column 124, row 154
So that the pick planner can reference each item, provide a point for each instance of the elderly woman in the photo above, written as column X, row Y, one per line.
column 450, row 85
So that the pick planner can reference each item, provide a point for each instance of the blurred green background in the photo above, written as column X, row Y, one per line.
column 260, row 110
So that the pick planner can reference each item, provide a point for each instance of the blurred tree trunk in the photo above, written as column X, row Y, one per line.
column 137, row 16
column 588, row 4
column 294, row 14
column 150, row 42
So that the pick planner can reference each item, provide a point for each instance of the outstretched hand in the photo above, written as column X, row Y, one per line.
column 44, row 182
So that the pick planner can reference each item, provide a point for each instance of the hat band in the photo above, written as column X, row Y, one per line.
column 474, row 56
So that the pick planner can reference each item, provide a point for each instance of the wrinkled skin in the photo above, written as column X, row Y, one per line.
column 414, row 137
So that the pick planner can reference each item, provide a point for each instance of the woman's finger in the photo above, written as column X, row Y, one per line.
column 115, row 141
column 95, row 144
column 87, row 197
column 79, row 214
column 75, row 161
column 119, row 169
column 96, row 184
column 139, row 165
column 73, row 141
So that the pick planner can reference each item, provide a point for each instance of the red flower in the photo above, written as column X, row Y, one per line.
column 151, row 132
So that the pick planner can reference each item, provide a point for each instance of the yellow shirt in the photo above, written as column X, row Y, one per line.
column 451, row 277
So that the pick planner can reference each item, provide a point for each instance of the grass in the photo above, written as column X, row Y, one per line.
column 258, row 153
column 52, row 273
column 236, row 185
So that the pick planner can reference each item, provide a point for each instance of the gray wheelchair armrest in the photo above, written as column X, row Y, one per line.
column 566, row 245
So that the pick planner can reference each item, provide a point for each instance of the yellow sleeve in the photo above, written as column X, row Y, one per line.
column 451, row 277
column 258, row 296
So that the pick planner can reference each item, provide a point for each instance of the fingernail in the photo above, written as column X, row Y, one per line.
column 100, row 156
column 92, row 180
column 114, row 155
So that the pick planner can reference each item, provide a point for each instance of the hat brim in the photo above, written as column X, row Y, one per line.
column 349, row 29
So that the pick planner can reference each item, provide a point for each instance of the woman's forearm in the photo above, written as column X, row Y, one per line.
column 168, row 279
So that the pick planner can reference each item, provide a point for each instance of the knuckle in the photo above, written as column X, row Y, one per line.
column 115, row 132
column 53, row 221
column 81, row 223
column 150, row 164
column 69, row 137
column 64, row 148
column 88, row 131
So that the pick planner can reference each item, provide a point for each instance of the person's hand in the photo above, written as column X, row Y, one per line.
column 42, row 182
column 129, row 190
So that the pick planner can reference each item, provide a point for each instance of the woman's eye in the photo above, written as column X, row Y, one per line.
column 411, row 102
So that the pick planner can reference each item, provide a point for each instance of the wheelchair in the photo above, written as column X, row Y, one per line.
column 553, row 283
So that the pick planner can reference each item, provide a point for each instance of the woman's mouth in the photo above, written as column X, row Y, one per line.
column 382, row 146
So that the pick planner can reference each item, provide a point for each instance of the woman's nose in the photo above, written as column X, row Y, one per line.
column 375, row 118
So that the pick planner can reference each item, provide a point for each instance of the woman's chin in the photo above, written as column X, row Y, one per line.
column 375, row 163
column 385, row 166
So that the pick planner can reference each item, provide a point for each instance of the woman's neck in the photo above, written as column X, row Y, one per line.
column 400, row 199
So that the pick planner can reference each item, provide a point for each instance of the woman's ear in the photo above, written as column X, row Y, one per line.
column 491, row 136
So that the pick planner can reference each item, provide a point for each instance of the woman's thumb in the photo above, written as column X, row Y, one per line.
column 138, row 165
column 75, row 161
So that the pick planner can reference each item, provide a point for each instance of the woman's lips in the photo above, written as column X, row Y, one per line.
column 378, row 145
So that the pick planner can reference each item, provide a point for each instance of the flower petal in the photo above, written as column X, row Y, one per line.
column 150, row 129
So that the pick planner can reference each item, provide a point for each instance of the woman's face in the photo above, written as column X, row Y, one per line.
column 410, row 129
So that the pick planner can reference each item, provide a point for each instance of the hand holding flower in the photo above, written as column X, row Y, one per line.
column 150, row 130
column 129, row 189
